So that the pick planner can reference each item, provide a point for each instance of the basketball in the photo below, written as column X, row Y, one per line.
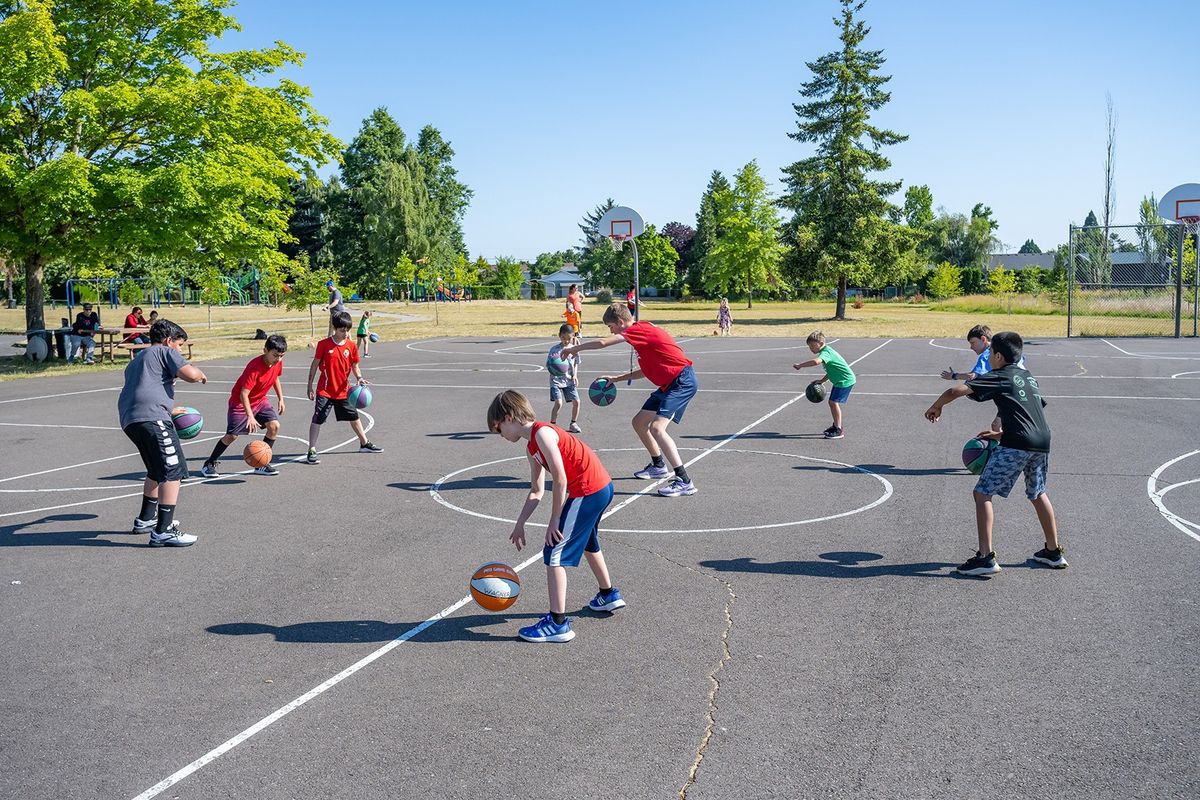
column 975, row 454
column 188, row 421
column 257, row 454
column 374, row 337
column 815, row 392
column 360, row 397
column 557, row 366
column 602, row 392
column 495, row 586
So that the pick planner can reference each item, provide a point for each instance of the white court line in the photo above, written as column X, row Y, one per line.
column 932, row 343
column 283, row 711
column 62, row 394
column 1190, row 372
column 1155, row 495
column 193, row 440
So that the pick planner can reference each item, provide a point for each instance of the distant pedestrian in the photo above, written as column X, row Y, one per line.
column 724, row 318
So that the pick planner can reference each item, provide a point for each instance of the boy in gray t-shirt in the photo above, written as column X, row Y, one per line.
column 144, row 408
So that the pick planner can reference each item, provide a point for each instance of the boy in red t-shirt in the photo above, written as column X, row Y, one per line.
column 336, row 357
column 582, row 490
column 249, row 408
column 662, row 361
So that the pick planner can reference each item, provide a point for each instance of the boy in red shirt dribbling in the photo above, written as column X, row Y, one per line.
column 335, row 358
column 582, row 490
column 249, row 408
column 662, row 361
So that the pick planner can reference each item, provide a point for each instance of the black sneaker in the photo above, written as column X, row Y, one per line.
column 312, row 456
column 835, row 433
column 980, row 564
column 368, row 447
column 209, row 470
column 1055, row 558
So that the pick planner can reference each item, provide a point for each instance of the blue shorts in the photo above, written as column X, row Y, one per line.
column 674, row 401
column 840, row 394
column 580, row 526
column 570, row 392
column 1003, row 467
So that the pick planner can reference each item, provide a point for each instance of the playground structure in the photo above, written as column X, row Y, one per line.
column 425, row 292
column 242, row 289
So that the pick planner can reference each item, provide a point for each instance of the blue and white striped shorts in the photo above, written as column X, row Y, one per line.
column 580, row 526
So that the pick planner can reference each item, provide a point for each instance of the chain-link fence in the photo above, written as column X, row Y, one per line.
column 1132, row 280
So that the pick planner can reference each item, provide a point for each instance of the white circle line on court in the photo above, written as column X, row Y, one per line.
column 1155, row 494
column 270, row 719
column 887, row 493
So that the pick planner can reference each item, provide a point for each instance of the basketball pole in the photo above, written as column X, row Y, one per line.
column 637, row 298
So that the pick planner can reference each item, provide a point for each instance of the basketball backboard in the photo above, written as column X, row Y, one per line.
column 1181, row 203
column 620, row 223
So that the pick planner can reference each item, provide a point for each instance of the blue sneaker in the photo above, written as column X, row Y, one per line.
column 651, row 472
column 677, row 488
column 607, row 602
column 545, row 630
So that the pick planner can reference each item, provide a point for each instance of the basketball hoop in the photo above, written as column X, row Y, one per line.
column 1191, row 224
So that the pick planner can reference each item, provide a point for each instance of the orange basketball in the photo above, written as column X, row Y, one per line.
column 257, row 454
column 495, row 586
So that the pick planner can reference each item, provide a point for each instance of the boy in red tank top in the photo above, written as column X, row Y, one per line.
column 582, row 489
column 662, row 361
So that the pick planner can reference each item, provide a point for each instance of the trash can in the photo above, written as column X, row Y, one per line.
column 38, row 352
column 60, row 342
column 11, row 303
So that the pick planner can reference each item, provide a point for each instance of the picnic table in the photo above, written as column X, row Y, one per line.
column 108, row 344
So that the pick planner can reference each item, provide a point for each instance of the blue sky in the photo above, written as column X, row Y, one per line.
column 552, row 107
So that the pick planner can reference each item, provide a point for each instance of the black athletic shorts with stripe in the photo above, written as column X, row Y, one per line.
column 158, row 443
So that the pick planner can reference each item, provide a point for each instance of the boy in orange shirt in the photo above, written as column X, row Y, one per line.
column 335, row 358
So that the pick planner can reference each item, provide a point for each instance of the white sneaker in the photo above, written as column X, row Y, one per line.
column 574, row 428
column 172, row 538
column 144, row 525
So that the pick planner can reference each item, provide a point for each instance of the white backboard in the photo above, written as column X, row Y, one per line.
column 1182, row 201
column 621, row 223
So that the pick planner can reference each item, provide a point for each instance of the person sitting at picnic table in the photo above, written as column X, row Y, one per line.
column 134, row 319
column 81, row 340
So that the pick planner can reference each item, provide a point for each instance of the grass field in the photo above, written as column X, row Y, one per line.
column 232, row 327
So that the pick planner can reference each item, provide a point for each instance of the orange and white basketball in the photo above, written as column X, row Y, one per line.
column 257, row 454
column 495, row 586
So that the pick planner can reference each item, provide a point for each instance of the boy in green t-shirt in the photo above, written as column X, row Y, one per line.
column 837, row 372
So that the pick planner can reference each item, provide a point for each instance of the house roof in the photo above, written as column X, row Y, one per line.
column 1021, row 260
column 562, row 276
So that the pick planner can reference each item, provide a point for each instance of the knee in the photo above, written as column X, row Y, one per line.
column 273, row 428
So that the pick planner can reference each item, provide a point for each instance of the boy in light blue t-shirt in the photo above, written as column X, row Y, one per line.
column 979, row 339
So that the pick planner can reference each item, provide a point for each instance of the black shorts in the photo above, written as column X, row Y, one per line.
column 343, row 410
column 160, row 449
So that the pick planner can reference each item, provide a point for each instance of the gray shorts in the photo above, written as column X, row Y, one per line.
column 1003, row 467
column 570, row 392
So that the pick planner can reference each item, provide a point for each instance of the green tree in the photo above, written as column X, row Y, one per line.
column 509, row 278
column 307, row 289
column 306, row 224
column 549, row 263
column 1030, row 246
column 707, row 231
column 590, row 225
column 448, row 196
column 747, row 255
column 1003, row 283
column 840, row 222
column 122, row 131
column 213, row 289
column 605, row 266
column 945, row 282
column 656, row 259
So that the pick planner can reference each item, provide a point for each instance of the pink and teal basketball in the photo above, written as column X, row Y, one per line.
column 975, row 454
column 360, row 397
column 188, row 421
column 557, row 366
column 602, row 392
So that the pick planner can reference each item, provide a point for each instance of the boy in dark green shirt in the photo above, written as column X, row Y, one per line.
column 837, row 372
column 1024, row 448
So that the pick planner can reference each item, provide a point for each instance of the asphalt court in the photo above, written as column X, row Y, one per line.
column 793, row 630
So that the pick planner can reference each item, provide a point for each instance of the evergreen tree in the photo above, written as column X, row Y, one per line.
column 590, row 225
column 448, row 197
column 707, row 231
column 1030, row 246
column 306, row 225
column 841, row 224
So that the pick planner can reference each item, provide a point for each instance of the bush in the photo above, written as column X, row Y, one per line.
column 537, row 290
column 604, row 297
column 858, row 302
column 131, row 294
column 918, row 298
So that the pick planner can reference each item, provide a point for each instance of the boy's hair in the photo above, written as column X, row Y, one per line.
column 617, row 311
column 1008, row 345
column 509, row 405
column 816, row 336
column 342, row 321
column 164, row 331
column 135, row 309
column 565, row 329
column 978, row 332
column 277, row 343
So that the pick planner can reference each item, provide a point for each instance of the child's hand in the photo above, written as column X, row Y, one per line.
column 933, row 413
column 948, row 374
column 553, row 535
column 989, row 435
column 281, row 407
column 517, row 537
column 796, row 366
column 311, row 394
column 363, row 382
column 252, row 424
